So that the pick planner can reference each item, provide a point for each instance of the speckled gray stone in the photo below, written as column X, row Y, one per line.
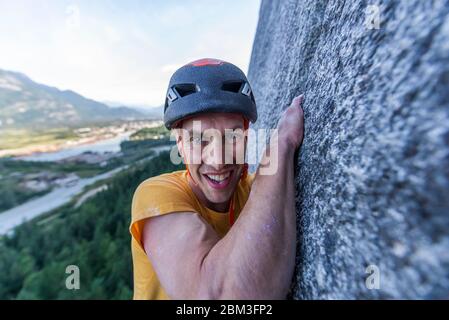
column 373, row 170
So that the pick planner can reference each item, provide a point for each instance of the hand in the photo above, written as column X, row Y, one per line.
column 291, row 124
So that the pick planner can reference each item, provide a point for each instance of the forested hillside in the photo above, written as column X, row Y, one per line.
column 93, row 237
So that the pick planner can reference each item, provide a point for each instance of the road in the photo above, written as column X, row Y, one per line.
column 15, row 216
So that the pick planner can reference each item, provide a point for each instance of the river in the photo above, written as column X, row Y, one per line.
column 106, row 145
column 13, row 217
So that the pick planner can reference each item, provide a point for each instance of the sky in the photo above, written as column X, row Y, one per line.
column 122, row 51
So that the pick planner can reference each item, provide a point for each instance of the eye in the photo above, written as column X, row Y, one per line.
column 195, row 139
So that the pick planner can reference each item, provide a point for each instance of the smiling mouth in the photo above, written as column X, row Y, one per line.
column 219, row 181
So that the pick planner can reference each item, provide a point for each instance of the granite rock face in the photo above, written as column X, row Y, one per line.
column 373, row 170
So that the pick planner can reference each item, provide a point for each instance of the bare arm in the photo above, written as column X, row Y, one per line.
column 255, row 260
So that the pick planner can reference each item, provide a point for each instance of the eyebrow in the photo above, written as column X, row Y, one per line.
column 190, row 131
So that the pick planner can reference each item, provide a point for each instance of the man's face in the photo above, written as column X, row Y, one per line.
column 214, row 153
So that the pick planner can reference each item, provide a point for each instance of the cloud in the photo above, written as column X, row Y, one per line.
column 122, row 51
column 73, row 19
column 112, row 34
column 170, row 68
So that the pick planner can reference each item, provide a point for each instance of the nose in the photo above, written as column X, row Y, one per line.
column 214, row 154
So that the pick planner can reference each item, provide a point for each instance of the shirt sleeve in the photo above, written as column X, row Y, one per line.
column 154, row 198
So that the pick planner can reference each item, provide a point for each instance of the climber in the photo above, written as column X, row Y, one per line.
column 213, row 231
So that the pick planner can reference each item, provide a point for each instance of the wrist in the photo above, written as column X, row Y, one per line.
column 285, row 146
column 276, row 151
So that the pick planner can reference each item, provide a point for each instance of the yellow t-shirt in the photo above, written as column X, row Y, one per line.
column 170, row 193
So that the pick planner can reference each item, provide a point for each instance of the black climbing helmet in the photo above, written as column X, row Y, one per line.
column 208, row 85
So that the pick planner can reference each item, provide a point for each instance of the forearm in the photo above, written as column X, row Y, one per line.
column 256, row 258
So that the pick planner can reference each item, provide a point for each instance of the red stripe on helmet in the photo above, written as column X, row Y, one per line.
column 206, row 62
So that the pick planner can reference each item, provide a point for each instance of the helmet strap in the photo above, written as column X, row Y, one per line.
column 245, row 165
column 189, row 175
column 243, row 175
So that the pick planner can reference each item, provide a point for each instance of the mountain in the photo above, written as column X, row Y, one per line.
column 27, row 104
column 148, row 111
column 151, row 112
column 101, row 245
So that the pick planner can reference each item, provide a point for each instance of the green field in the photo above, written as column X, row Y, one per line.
column 12, row 171
column 151, row 133
column 13, row 139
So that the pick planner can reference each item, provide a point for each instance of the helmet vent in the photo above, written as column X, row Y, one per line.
column 246, row 89
column 171, row 95
column 186, row 89
column 233, row 86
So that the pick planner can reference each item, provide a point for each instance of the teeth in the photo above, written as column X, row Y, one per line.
column 218, row 178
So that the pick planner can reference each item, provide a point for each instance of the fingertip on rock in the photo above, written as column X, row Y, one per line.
column 298, row 99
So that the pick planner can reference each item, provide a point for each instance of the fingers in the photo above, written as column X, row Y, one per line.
column 297, row 101
column 295, row 106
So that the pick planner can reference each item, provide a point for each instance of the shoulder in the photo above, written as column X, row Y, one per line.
column 157, row 196
column 161, row 193
column 170, row 177
column 170, row 180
